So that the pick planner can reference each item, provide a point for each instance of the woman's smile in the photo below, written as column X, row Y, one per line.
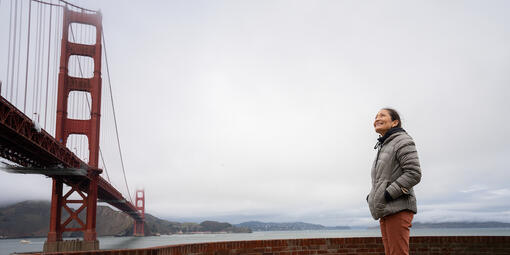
column 383, row 122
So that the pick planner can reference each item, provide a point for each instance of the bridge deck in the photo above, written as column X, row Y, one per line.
column 40, row 153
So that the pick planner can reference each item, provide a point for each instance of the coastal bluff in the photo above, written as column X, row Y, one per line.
column 31, row 219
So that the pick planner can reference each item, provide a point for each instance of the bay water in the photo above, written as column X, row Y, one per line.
column 9, row 246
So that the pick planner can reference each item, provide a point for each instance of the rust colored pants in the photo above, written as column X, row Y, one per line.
column 395, row 232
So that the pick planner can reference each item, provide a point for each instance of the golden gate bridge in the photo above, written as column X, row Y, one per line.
column 51, row 114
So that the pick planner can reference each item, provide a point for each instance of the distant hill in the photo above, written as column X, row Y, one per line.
column 458, row 224
column 31, row 219
column 25, row 219
column 289, row 226
column 462, row 224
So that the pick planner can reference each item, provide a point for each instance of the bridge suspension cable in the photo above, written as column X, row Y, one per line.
column 114, row 115
column 38, row 29
column 74, row 99
column 28, row 54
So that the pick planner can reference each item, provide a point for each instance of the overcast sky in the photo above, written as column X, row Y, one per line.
column 263, row 110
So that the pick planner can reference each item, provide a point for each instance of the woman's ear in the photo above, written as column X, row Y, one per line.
column 394, row 123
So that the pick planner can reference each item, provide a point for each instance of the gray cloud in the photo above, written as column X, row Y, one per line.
column 264, row 109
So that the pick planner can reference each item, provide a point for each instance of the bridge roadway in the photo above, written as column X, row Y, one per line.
column 40, row 153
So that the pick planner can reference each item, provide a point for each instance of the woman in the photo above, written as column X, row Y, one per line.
column 395, row 171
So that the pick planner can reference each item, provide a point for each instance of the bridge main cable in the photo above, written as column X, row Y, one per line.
column 114, row 115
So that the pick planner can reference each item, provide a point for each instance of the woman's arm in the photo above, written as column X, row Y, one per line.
column 407, row 156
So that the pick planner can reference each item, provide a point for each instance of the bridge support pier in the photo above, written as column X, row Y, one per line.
column 55, row 233
column 70, row 245
column 90, row 234
column 88, row 204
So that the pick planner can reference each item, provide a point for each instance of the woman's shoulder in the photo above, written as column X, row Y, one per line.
column 403, row 139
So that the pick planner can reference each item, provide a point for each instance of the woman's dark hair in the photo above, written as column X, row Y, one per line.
column 394, row 116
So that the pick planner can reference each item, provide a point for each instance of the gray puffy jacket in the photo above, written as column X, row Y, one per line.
column 396, row 169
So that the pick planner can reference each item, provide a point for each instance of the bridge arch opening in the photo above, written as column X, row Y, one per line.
column 79, row 145
column 80, row 67
column 78, row 105
column 82, row 33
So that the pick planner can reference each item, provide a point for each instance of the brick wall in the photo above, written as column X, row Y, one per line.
column 479, row 245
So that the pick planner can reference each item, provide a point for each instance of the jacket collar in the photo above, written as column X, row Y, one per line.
column 382, row 139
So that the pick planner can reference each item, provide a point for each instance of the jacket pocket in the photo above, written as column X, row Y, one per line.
column 379, row 201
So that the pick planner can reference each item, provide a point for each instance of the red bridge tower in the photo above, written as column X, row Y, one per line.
column 89, row 127
column 140, row 206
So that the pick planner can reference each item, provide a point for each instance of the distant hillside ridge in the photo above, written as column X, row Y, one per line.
column 31, row 219
column 462, row 224
column 286, row 226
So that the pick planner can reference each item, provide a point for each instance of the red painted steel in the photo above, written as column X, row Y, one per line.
column 90, row 127
column 140, row 206
column 21, row 143
column 67, row 84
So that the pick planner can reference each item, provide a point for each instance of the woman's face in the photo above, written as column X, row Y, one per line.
column 383, row 122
